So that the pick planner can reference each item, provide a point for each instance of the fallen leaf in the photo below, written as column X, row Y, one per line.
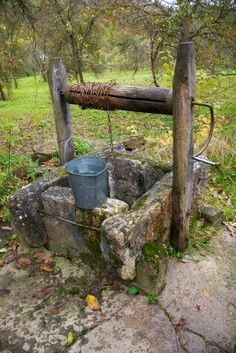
column 14, row 246
column 32, row 270
column 10, row 258
column 92, row 302
column 4, row 292
column 45, row 291
column 6, row 228
column 206, row 293
column 3, row 250
column 2, row 262
column 38, row 254
column 23, row 261
column 70, row 338
column 46, row 267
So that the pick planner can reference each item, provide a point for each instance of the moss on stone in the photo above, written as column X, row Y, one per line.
column 60, row 172
column 153, row 250
column 151, row 275
column 139, row 202
column 165, row 166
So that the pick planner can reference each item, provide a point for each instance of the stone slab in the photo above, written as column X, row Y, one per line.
column 59, row 201
column 25, row 206
column 63, row 237
column 44, row 151
column 212, row 214
column 202, row 296
column 94, row 218
column 134, row 142
column 149, row 219
column 130, row 177
column 123, row 236
column 124, row 333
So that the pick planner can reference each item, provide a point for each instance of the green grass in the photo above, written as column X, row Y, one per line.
column 30, row 108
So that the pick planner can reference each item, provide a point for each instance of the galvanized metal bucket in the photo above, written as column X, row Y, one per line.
column 88, row 180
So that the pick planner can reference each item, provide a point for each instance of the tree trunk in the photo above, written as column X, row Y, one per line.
column 2, row 94
column 44, row 76
column 154, row 76
column 15, row 80
column 77, row 58
column 81, row 76
column 153, row 64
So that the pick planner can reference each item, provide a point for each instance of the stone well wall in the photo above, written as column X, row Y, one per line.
column 138, row 211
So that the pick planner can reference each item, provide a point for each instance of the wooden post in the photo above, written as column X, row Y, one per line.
column 183, row 95
column 57, row 79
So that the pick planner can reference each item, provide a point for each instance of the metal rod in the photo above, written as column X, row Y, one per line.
column 71, row 222
column 206, row 161
column 212, row 124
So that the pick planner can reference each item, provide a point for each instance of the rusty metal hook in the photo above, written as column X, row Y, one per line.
column 212, row 125
column 209, row 137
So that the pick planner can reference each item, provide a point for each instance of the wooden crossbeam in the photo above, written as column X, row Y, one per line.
column 130, row 98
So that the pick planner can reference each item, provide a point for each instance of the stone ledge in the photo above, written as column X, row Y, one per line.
column 94, row 217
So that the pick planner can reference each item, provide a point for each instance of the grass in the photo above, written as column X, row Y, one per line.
column 29, row 109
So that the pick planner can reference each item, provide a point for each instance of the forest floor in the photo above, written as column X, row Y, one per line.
column 44, row 311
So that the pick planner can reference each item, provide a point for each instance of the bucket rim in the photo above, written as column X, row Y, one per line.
column 87, row 175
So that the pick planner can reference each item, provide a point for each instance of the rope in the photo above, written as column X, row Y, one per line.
column 92, row 94
column 96, row 95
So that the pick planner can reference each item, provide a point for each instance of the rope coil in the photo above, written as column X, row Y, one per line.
column 92, row 94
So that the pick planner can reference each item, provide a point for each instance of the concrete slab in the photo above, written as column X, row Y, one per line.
column 200, row 297
column 195, row 312
column 138, row 328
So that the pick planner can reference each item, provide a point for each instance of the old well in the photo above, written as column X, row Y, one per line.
column 127, row 236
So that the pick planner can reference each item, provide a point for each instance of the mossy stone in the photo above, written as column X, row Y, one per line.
column 151, row 277
column 151, row 267
column 140, row 202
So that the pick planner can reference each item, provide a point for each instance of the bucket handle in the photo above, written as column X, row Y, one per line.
column 65, row 147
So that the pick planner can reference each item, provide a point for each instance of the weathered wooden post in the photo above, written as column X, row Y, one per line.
column 57, row 79
column 183, row 96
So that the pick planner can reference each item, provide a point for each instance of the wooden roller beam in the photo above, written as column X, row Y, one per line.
column 130, row 98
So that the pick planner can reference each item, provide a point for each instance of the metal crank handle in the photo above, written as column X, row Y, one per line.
column 209, row 137
column 206, row 161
